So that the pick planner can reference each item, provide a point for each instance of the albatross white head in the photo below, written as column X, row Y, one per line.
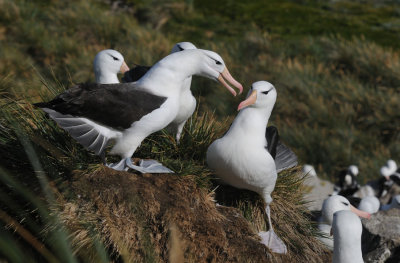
column 178, row 66
column 336, row 203
column 182, row 46
column 262, row 94
column 107, row 64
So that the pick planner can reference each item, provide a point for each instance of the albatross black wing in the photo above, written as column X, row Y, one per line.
column 113, row 105
column 272, row 136
column 135, row 73
column 86, row 110
column 284, row 157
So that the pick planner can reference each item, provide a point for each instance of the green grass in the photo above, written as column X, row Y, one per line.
column 335, row 66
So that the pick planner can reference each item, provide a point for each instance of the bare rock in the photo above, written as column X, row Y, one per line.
column 381, row 237
column 318, row 191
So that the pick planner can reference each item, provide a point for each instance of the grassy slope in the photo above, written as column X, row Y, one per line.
column 337, row 96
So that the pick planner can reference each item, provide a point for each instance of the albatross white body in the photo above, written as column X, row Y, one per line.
column 347, row 230
column 128, row 113
column 187, row 102
column 240, row 157
column 330, row 206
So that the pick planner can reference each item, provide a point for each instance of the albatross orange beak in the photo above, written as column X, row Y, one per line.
column 359, row 212
column 225, row 75
column 249, row 101
column 124, row 68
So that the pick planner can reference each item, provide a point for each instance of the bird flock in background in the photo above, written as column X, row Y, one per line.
column 376, row 195
column 249, row 155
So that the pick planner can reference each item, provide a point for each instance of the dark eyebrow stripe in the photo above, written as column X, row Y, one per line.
column 115, row 58
column 266, row 92
column 180, row 48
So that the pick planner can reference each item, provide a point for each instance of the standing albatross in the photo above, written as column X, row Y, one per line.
column 127, row 113
column 244, row 156
column 187, row 102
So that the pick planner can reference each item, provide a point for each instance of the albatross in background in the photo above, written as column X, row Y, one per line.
column 107, row 64
column 347, row 230
column 187, row 102
column 330, row 206
column 244, row 156
column 127, row 113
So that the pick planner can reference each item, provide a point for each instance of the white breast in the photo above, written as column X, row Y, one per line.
column 240, row 159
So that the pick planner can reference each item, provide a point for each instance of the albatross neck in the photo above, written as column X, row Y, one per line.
column 106, row 78
column 251, row 122
column 170, row 72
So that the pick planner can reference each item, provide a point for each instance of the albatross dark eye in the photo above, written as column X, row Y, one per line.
column 345, row 203
column 265, row 92
column 218, row 63
column 113, row 57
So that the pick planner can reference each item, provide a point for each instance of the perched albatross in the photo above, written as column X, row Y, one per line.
column 330, row 206
column 347, row 230
column 107, row 64
column 187, row 102
column 244, row 156
column 127, row 113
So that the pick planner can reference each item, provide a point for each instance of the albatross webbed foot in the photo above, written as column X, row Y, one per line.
column 273, row 242
column 148, row 166
column 120, row 166
column 270, row 238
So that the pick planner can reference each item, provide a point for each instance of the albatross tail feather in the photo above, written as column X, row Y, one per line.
column 285, row 158
column 89, row 134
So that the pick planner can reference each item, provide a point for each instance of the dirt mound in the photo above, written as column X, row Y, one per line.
column 157, row 218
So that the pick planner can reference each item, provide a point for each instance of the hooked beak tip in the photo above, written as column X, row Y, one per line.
column 124, row 68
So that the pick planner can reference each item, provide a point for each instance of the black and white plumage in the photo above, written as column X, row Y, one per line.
column 187, row 102
column 127, row 113
column 107, row 64
column 347, row 184
column 243, row 157
column 391, row 172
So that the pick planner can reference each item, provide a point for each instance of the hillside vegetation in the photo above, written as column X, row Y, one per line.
column 337, row 91
column 335, row 65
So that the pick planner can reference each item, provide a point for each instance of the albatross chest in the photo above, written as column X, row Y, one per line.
column 242, row 164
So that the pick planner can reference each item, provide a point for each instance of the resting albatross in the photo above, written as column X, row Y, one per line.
column 107, row 64
column 330, row 206
column 187, row 102
column 127, row 113
column 244, row 156
column 347, row 230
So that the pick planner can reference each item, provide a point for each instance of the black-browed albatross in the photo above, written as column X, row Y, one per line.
column 244, row 156
column 187, row 102
column 347, row 230
column 107, row 64
column 127, row 113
